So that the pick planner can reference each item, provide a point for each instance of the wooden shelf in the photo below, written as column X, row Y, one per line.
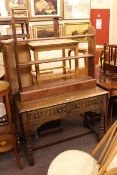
column 54, row 87
column 29, row 63
column 23, row 68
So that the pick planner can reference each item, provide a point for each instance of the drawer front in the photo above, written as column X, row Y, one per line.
column 40, row 116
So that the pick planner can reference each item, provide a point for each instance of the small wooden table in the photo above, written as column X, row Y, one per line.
column 58, row 44
column 34, row 113
column 8, row 141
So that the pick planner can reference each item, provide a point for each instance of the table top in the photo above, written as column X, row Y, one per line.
column 57, row 42
column 108, row 83
column 58, row 99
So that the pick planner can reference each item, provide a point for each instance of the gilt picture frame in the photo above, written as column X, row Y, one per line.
column 77, row 9
column 79, row 28
column 44, row 8
column 45, row 31
column 16, row 4
column 10, row 32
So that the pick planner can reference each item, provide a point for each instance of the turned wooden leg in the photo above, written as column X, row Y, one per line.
column 29, row 150
column 102, row 125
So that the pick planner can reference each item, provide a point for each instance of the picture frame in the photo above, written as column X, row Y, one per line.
column 44, row 8
column 45, row 31
column 16, row 4
column 18, row 30
column 10, row 32
column 77, row 9
column 19, row 13
column 78, row 28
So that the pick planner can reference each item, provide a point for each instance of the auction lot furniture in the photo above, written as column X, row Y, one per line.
column 108, row 77
column 42, row 94
column 109, row 83
column 20, row 72
column 34, row 113
column 110, row 59
column 8, row 141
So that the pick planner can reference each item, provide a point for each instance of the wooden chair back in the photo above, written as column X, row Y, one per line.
column 107, row 77
column 110, row 59
column 106, row 149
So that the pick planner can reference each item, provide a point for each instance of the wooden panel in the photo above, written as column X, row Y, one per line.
column 24, row 56
column 39, row 111
column 54, row 90
column 12, row 67
column 10, row 59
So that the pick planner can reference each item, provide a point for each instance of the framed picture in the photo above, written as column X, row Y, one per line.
column 44, row 31
column 15, row 4
column 77, row 9
column 18, row 30
column 76, row 28
column 79, row 28
column 19, row 13
column 44, row 8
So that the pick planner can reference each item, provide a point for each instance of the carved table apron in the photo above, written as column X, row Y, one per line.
column 34, row 113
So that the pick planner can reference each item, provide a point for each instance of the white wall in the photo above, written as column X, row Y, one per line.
column 3, row 14
column 113, row 23
column 2, row 8
column 101, row 4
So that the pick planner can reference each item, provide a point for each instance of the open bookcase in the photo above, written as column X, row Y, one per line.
column 34, row 76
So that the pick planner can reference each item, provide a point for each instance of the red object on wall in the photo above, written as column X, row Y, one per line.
column 100, row 19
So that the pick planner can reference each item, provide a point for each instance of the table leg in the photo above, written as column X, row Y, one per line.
column 37, row 67
column 102, row 125
column 29, row 150
column 12, row 130
column 24, row 120
column 64, row 62
column 76, row 61
column 27, row 29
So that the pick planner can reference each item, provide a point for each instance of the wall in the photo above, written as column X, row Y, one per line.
column 3, row 13
column 113, row 23
column 101, row 4
column 2, row 8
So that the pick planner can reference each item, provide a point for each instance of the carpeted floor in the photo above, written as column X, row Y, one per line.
column 43, row 157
